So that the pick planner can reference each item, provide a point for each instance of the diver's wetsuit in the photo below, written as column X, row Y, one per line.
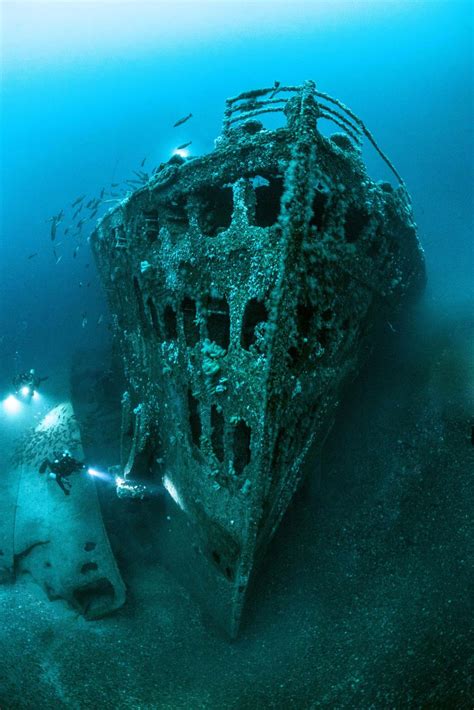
column 62, row 466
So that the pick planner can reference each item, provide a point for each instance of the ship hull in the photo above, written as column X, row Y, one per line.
column 245, row 288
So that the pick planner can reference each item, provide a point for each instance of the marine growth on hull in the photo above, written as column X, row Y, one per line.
column 244, row 287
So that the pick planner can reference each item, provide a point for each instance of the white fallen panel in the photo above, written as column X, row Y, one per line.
column 60, row 539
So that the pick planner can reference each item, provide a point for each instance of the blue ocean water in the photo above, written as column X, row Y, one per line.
column 352, row 600
column 88, row 93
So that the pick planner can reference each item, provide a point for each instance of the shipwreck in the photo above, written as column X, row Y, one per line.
column 245, row 288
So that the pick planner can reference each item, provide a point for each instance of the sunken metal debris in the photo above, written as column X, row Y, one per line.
column 270, row 263
column 60, row 541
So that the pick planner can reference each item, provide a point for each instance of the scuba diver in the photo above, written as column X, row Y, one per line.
column 61, row 467
column 27, row 383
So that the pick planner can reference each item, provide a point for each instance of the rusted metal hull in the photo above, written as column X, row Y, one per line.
column 244, row 288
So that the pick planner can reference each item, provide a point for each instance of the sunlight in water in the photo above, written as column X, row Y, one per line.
column 183, row 152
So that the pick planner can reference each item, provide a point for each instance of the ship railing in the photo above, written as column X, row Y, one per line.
column 349, row 118
column 250, row 104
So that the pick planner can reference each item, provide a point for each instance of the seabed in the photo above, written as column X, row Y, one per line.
column 361, row 600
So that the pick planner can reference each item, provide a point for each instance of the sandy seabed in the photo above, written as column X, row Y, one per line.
column 363, row 600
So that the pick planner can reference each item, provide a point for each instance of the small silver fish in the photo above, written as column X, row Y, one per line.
column 182, row 120
column 77, row 200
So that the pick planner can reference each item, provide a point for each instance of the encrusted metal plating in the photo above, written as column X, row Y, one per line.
column 245, row 286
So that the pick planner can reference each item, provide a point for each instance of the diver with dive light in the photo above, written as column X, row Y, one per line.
column 61, row 467
column 26, row 384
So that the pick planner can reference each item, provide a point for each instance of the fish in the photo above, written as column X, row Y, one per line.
column 66, row 231
column 79, row 224
column 55, row 220
column 77, row 200
column 94, row 213
column 102, row 192
column 276, row 86
column 84, row 320
column 75, row 252
column 183, row 145
column 100, row 319
column 134, row 182
column 143, row 162
column 182, row 120
column 114, row 184
column 90, row 203
column 59, row 258
column 77, row 212
column 31, row 256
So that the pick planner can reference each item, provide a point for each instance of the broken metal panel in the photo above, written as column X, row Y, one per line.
column 247, row 294
column 61, row 540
